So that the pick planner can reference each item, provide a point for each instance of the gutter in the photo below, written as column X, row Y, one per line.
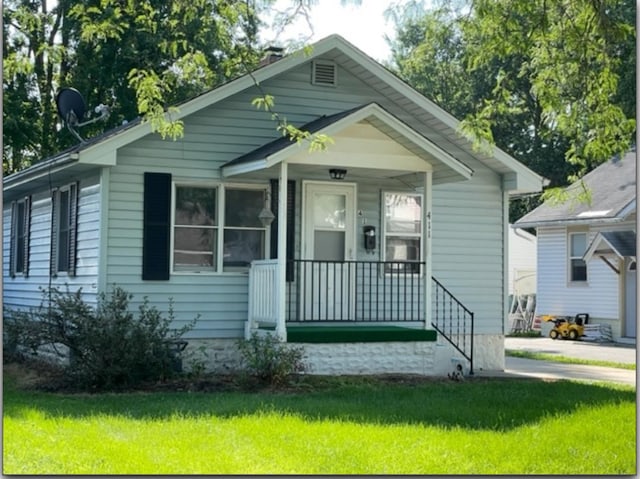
column 563, row 222
column 38, row 169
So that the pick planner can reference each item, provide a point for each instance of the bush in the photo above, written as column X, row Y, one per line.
column 109, row 347
column 269, row 360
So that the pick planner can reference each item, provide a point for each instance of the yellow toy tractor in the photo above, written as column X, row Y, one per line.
column 566, row 327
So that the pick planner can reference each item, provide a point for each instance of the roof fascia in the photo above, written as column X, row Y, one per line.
column 371, row 110
column 566, row 222
column 376, row 111
column 213, row 96
column 38, row 170
column 594, row 247
column 449, row 120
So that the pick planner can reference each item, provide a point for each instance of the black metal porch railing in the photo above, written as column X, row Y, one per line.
column 453, row 321
column 361, row 291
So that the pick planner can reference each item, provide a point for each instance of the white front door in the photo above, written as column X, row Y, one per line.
column 630, row 300
column 329, row 240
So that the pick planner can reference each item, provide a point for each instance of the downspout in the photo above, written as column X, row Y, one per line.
column 505, row 261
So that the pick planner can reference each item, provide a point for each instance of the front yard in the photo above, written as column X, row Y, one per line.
column 327, row 426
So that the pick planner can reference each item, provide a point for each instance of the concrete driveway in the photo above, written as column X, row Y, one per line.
column 519, row 367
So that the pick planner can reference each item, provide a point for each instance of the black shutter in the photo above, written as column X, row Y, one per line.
column 14, row 239
column 74, row 192
column 291, row 231
column 53, row 262
column 27, row 234
column 156, row 226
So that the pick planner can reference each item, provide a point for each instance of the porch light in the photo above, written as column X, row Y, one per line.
column 337, row 174
column 266, row 216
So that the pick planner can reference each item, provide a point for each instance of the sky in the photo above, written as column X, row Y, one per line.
column 362, row 25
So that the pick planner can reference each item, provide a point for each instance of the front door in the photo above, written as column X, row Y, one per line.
column 329, row 241
column 630, row 300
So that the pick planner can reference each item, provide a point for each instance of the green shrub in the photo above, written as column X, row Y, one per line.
column 109, row 347
column 270, row 361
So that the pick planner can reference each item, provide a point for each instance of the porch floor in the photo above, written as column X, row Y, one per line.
column 357, row 334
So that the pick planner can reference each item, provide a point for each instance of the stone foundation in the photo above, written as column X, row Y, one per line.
column 426, row 358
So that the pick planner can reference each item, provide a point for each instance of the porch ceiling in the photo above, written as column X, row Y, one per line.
column 368, row 141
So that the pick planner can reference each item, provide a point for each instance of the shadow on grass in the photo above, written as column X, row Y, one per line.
column 495, row 404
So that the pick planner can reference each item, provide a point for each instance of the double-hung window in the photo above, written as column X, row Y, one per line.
column 19, row 252
column 244, row 234
column 63, row 229
column 195, row 234
column 216, row 228
column 402, row 231
column 577, row 266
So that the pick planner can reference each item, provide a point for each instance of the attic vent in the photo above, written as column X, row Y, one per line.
column 324, row 73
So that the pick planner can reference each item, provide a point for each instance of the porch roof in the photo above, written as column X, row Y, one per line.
column 620, row 244
column 429, row 156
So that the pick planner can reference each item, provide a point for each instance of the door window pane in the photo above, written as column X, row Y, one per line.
column 329, row 211
column 329, row 245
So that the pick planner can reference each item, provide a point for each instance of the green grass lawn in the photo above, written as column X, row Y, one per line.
column 329, row 426
column 567, row 360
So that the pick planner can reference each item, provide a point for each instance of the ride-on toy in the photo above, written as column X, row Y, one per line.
column 566, row 327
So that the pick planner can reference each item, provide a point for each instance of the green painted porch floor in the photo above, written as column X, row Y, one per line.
column 356, row 334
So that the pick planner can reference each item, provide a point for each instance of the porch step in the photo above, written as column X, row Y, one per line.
column 357, row 334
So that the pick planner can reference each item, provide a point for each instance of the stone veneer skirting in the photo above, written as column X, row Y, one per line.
column 428, row 358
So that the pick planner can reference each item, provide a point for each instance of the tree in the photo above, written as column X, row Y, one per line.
column 138, row 57
column 538, row 79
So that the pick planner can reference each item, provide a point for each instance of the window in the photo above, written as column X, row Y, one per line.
column 577, row 248
column 195, row 229
column 402, row 230
column 217, row 228
column 63, row 230
column 19, row 247
column 244, row 235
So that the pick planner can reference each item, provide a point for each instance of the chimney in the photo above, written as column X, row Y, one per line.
column 271, row 55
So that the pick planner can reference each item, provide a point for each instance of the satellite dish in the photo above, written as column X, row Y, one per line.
column 71, row 108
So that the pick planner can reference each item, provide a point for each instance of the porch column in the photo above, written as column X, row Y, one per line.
column 426, row 246
column 281, row 329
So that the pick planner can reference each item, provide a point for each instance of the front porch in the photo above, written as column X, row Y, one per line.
column 356, row 302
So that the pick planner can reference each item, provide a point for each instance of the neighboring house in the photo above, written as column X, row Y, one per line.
column 523, row 248
column 587, row 251
column 189, row 220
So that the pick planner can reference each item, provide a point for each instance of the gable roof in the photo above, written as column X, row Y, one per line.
column 444, row 165
column 438, row 126
column 612, row 186
column 612, row 243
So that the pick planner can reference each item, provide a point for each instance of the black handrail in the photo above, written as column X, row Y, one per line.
column 458, row 317
column 376, row 291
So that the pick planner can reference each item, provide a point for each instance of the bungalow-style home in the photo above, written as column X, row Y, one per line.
column 386, row 252
column 587, row 250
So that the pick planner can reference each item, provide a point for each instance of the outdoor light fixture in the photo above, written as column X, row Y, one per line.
column 266, row 216
column 337, row 174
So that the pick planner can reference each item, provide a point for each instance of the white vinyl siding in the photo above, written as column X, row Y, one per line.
column 556, row 294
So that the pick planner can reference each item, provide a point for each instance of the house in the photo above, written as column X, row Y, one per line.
column 523, row 248
column 345, row 269
column 587, row 251
column 522, row 279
